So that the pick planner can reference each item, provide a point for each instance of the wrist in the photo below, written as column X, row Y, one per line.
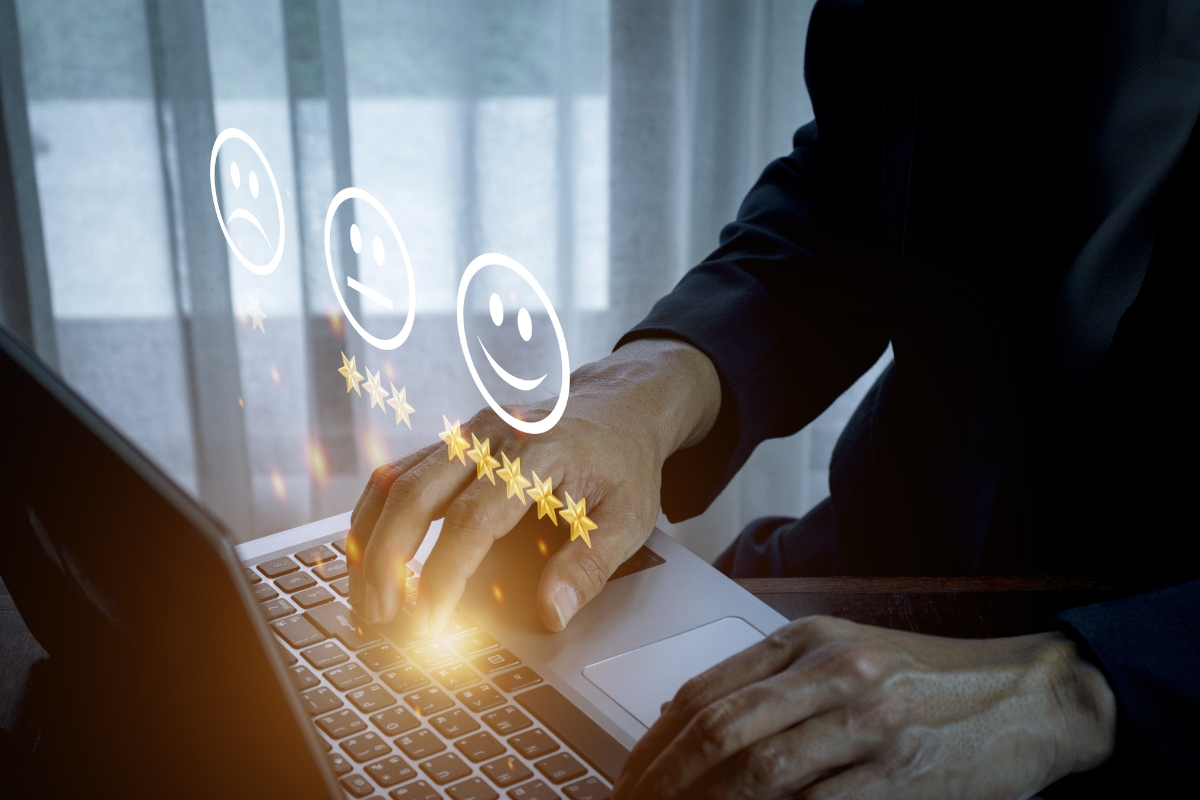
column 1085, row 704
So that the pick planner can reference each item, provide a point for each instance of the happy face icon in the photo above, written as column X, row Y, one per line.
column 525, row 329
column 386, row 252
column 257, row 245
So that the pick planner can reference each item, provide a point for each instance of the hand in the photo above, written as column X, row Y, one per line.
column 833, row 709
column 626, row 414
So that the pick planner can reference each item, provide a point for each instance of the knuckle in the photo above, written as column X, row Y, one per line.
column 591, row 568
column 711, row 729
column 767, row 766
column 466, row 517
column 863, row 663
column 690, row 696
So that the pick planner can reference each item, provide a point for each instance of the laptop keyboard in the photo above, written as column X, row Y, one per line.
column 456, row 717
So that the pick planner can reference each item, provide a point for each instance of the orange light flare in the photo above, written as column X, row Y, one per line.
column 389, row 371
column 335, row 322
column 275, row 376
column 542, row 547
column 497, row 593
column 241, row 403
column 318, row 463
column 277, row 484
column 352, row 552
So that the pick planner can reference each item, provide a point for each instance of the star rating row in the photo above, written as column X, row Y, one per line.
column 540, row 491
column 375, row 391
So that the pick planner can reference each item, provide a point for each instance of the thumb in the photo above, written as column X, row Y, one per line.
column 577, row 573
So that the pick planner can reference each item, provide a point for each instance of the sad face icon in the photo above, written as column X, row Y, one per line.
column 246, row 188
column 525, row 329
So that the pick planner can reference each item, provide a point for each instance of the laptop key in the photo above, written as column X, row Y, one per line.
column 274, row 609
column 507, row 720
column 338, row 763
column 533, row 744
column 472, row 789
column 533, row 791
column 501, row 659
column 365, row 747
column 579, row 731
column 561, row 767
column 347, row 676
column 404, row 680
column 341, row 586
column 371, row 698
column 454, row 723
column 288, row 656
column 429, row 701
column 339, row 621
column 319, row 700
column 395, row 721
column 310, row 598
column 480, row 698
column 357, row 785
column 480, row 747
column 251, row 575
column 302, row 678
column 381, row 657
column 296, row 631
column 415, row 791
column 341, row 723
column 420, row 744
column 278, row 566
column 518, row 679
column 474, row 644
column 507, row 771
column 588, row 789
column 325, row 654
column 315, row 555
column 295, row 582
column 330, row 570
column 391, row 771
column 455, row 676
column 264, row 592
column 430, row 654
column 340, row 544
column 445, row 768
column 459, row 624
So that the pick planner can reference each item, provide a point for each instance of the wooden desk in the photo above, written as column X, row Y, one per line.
column 975, row 607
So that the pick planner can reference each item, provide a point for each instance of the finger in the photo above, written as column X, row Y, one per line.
column 753, row 664
column 785, row 763
column 366, row 514
column 863, row 782
column 476, row 518
column 416, row 498
column 576, row 573
column 737, row 722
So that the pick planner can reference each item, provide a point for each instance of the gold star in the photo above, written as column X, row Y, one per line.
column 455, row 443
column 511, row 475
column 543, row 493
column 375, row 390
column 256, row 314
column 482, row 456
column 400, row 403
column 352, row 375
column 576, row 514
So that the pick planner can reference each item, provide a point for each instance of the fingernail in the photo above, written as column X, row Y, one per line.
column 623, row 787
column 566, row 601
column 420, row 617
column 372, row 604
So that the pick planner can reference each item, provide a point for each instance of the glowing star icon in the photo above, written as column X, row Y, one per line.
column 400, row 403
column 511, row 475
column 481, row 454
column 352, row 375
column 375, row 390
column 256, row 314
column 542, row 493
column 576, row 514
column 456, row 445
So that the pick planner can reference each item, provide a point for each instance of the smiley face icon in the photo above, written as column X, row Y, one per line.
column 384, row 255
column 525, row 330
column 246, row 188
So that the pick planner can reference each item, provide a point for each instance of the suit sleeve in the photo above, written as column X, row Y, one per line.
column 1149, row 649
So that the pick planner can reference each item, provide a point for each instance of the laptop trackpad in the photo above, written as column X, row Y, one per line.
column 641, row 680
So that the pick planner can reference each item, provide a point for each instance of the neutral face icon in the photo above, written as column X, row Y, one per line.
column 525, row 329
column 247, row 186
column 386, row 254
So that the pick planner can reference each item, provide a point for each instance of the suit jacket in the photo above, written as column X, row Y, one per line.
column 1010, row 199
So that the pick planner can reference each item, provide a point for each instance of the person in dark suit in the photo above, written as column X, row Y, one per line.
column 1011, row 199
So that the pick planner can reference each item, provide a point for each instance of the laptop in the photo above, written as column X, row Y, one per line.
column 196, row 668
